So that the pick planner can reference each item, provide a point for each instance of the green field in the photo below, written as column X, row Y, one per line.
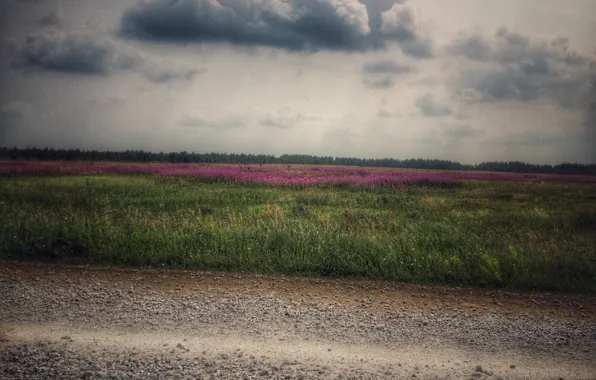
column 511, row 235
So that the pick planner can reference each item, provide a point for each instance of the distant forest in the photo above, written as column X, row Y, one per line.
column 232, row 158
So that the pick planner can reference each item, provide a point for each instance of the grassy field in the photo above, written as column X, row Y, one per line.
column 513, row 235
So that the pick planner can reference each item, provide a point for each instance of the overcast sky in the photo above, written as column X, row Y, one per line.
column 466, row 80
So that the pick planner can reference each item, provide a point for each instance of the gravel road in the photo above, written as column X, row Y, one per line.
column 67, row 322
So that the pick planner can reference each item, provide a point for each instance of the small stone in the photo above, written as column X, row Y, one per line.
column 478, row 368
column 512, row 366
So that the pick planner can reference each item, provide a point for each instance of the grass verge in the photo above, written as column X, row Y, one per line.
column 488, row 234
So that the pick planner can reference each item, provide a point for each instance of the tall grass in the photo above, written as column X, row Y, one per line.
column 495, row 234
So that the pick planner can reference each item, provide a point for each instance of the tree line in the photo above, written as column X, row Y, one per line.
column 48, row 154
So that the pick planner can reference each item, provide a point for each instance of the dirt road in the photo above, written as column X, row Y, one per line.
column 99, row 323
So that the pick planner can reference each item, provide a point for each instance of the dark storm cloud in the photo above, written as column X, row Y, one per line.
column 82, row 52
column 88, row 53
column 428, row 106
column 295, row 25
column 514, row 66
column 385, row 67
column 308, row 24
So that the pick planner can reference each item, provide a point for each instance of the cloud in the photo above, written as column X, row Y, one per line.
column 11, row 115
column 275, row 122
column 78, row 52
column 419, row 48
column 380, row 74
column 516, row 67
column 385, row 67
column 14, row 110
column 93, row 53
column 590, row 119
column 295, row 25
column 459, row 131
column 375, row 10
column 199, row 121
column 473, row 47
column 283, row 118
column 532, row 55
column 286, row 117
column 399, row 22
column 384, row 114
column 279, row 121
column 164, row 71
column 107, row 100
column 429, row 107
column 382, row 83
column 54, row 18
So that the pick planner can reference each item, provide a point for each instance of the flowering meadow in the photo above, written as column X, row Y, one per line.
column 513, row 231
column 287, row 175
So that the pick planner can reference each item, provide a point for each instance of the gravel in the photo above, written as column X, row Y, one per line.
column 42, row 361
column 268, row 315
column 70, row 306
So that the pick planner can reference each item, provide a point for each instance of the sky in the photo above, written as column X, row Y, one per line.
column 462, row 80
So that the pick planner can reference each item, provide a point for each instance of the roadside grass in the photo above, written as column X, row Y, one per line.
column 526, row 236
